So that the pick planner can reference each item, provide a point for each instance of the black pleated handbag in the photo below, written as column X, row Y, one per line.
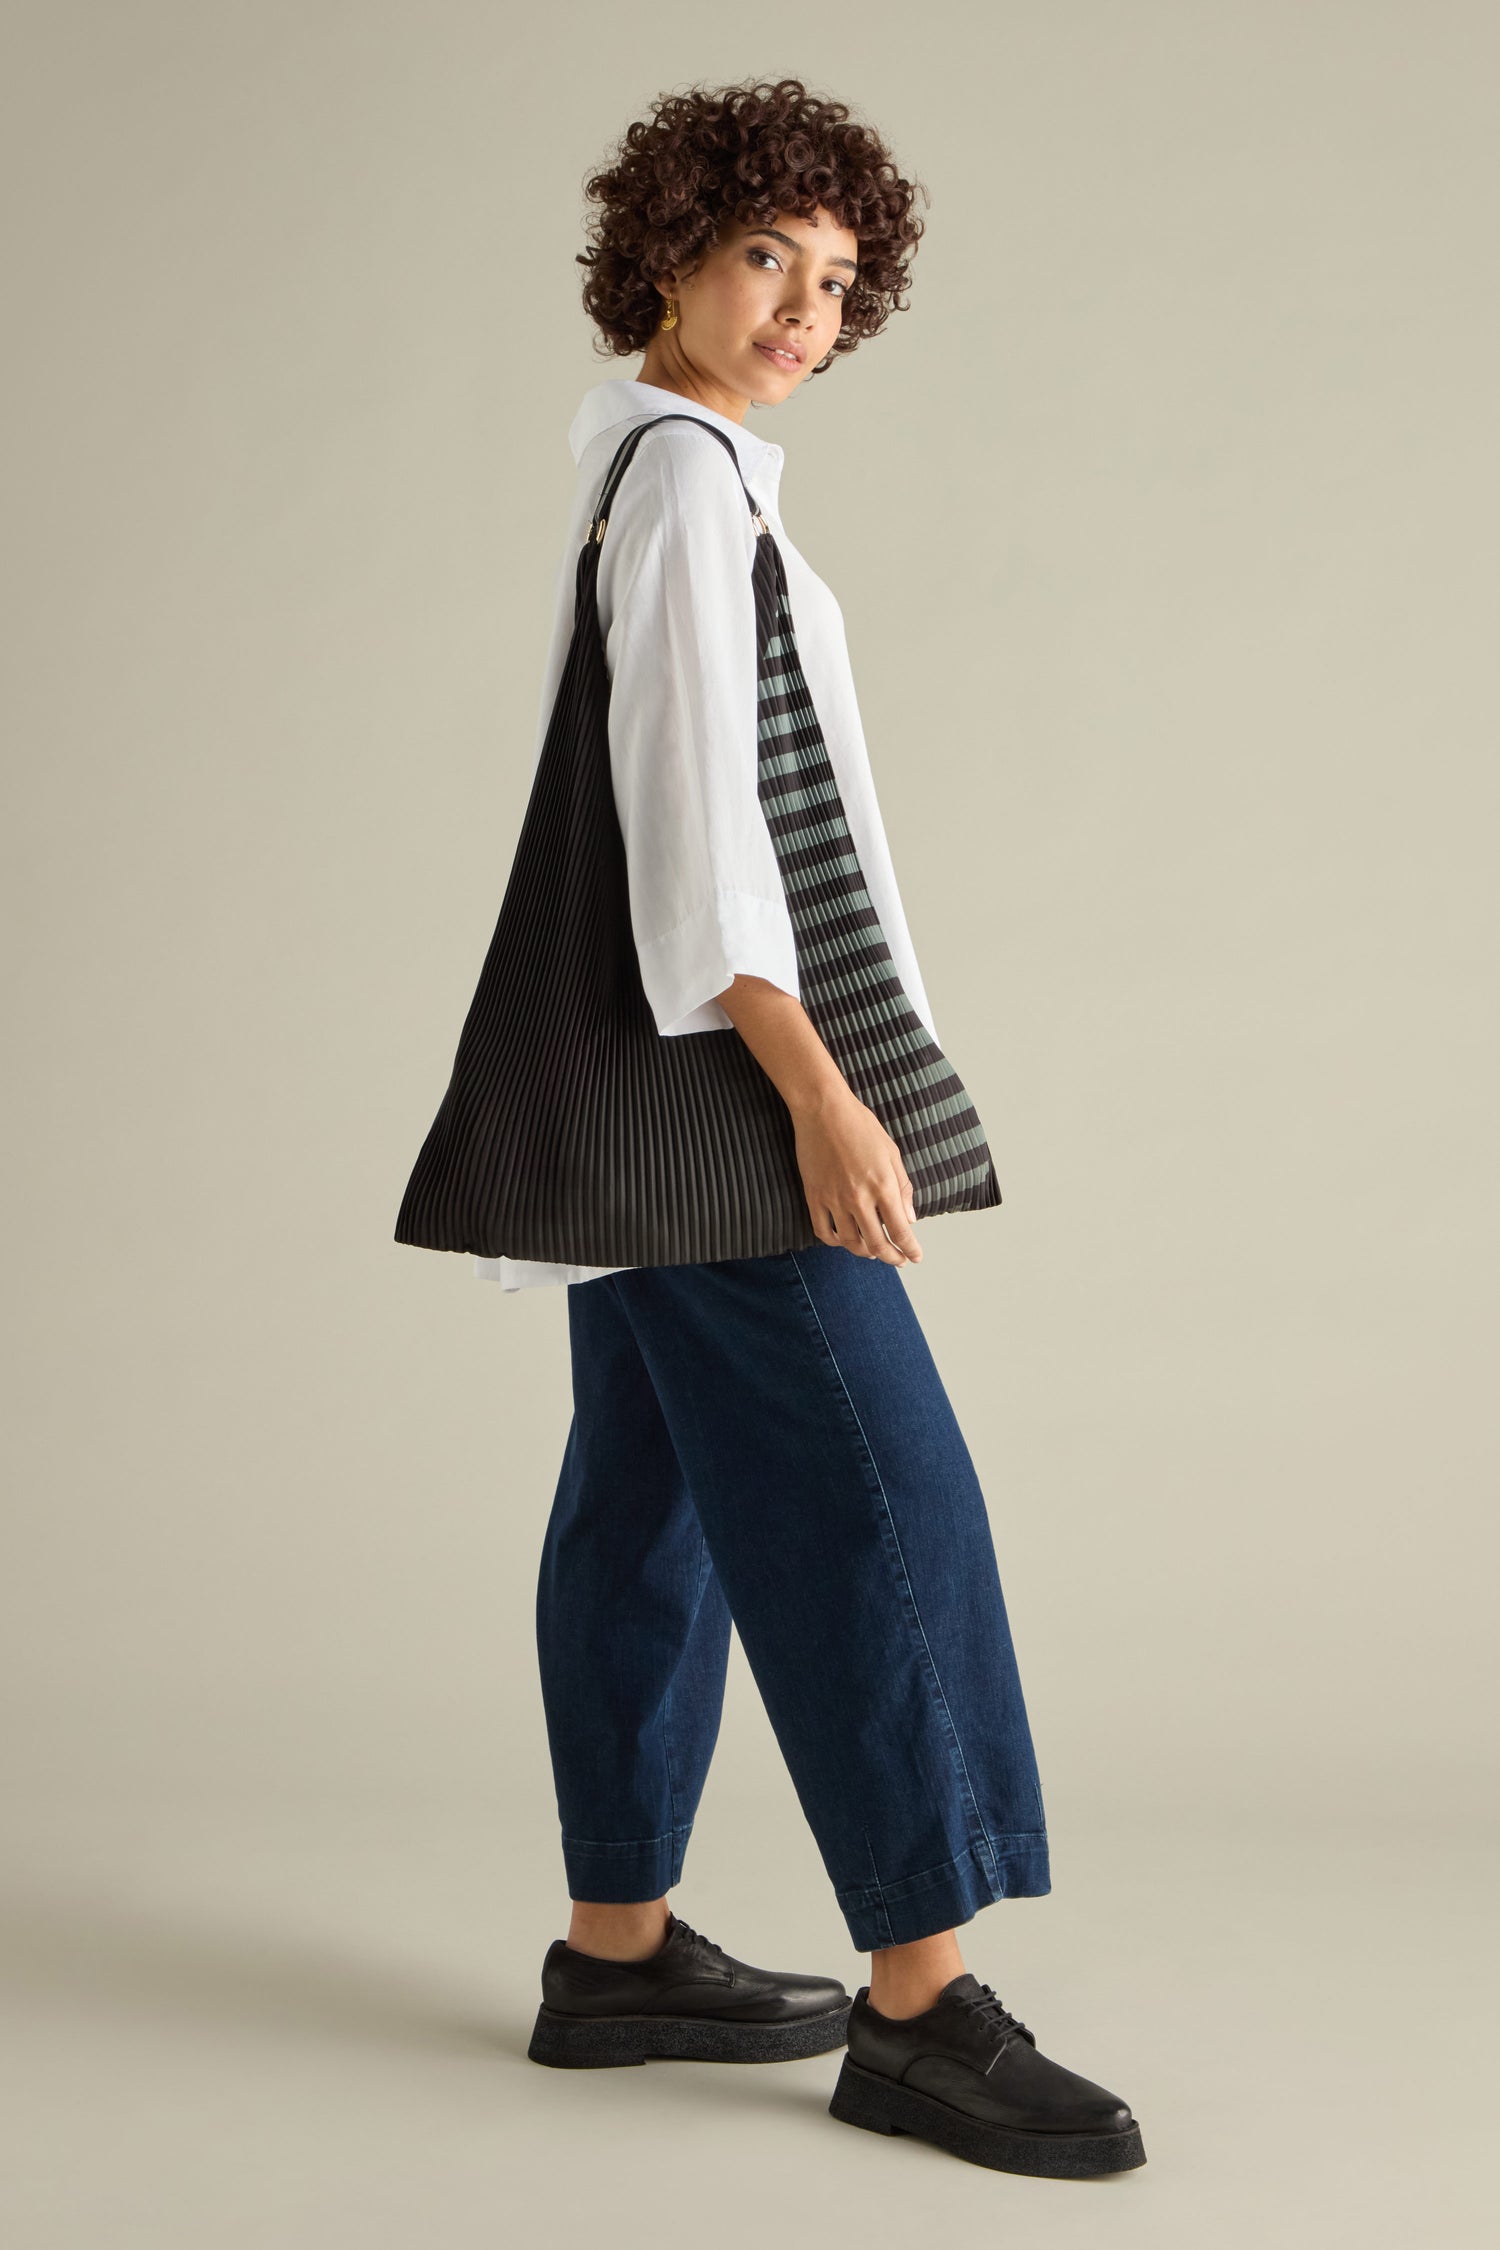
column 571, row 1130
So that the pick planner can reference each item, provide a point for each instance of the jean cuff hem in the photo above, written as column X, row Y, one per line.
column 944, row 1897
column 627, row 1873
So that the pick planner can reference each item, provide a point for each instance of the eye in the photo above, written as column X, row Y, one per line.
column 833, row 281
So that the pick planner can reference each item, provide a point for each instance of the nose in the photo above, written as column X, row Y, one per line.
column 800, row 309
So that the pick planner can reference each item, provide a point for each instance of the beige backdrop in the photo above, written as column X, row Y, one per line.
column 1164, row 526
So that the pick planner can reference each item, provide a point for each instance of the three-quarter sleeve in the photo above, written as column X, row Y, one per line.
column 677, row 610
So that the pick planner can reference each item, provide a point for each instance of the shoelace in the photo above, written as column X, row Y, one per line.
column 996, row 2016
column 696, row 1937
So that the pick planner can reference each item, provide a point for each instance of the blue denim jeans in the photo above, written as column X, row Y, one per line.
column 767, row 1440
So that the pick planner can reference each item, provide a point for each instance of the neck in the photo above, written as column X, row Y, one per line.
column 666, row 368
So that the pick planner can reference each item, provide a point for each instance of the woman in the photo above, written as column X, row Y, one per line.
column 767, row 1439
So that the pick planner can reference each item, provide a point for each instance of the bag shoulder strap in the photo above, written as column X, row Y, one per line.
column 624, row 455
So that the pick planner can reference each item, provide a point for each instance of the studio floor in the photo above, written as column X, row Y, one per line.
column 302, row 2022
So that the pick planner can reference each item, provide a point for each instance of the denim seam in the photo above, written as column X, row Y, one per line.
column 853, row 1899
column 973, row 1814
column 666, row 1754
column 678, row 1827
column 874, row 1894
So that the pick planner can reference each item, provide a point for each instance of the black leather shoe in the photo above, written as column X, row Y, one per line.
column 689, row 2002
column 967, row 2075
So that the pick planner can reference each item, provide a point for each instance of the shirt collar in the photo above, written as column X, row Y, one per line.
column 607, row 404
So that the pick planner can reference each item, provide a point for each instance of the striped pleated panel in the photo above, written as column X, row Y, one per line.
column 849, row 984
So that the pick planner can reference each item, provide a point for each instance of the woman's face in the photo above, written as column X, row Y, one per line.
column 756, row 314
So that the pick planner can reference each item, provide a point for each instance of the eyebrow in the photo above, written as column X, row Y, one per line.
column 777, row 236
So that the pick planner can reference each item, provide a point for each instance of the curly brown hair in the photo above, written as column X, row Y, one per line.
column 742, row 152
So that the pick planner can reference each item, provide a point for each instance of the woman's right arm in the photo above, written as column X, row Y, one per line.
column 677, row 608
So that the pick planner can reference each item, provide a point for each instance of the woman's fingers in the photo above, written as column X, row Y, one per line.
column 859, row 1197
column 898, row 1215
column 842, row 1229
column 885, row 1229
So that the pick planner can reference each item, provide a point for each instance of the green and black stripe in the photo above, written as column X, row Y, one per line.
column 850, row 986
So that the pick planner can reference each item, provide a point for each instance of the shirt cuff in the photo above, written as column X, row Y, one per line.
column 733, row 934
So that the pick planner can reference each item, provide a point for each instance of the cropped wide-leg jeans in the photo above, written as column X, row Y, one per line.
column 767, row 1441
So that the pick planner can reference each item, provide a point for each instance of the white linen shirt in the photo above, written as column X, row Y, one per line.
column 677, row 612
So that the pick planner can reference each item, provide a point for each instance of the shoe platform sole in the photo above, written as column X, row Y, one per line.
column 879, row 2105
column 618, row 2042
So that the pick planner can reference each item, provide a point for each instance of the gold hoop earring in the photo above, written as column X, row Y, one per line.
column 669, row 318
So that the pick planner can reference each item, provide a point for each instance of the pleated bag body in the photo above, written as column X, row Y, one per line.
column 571, row 1131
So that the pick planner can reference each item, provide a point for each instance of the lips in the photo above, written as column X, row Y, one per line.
column 782, row 355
